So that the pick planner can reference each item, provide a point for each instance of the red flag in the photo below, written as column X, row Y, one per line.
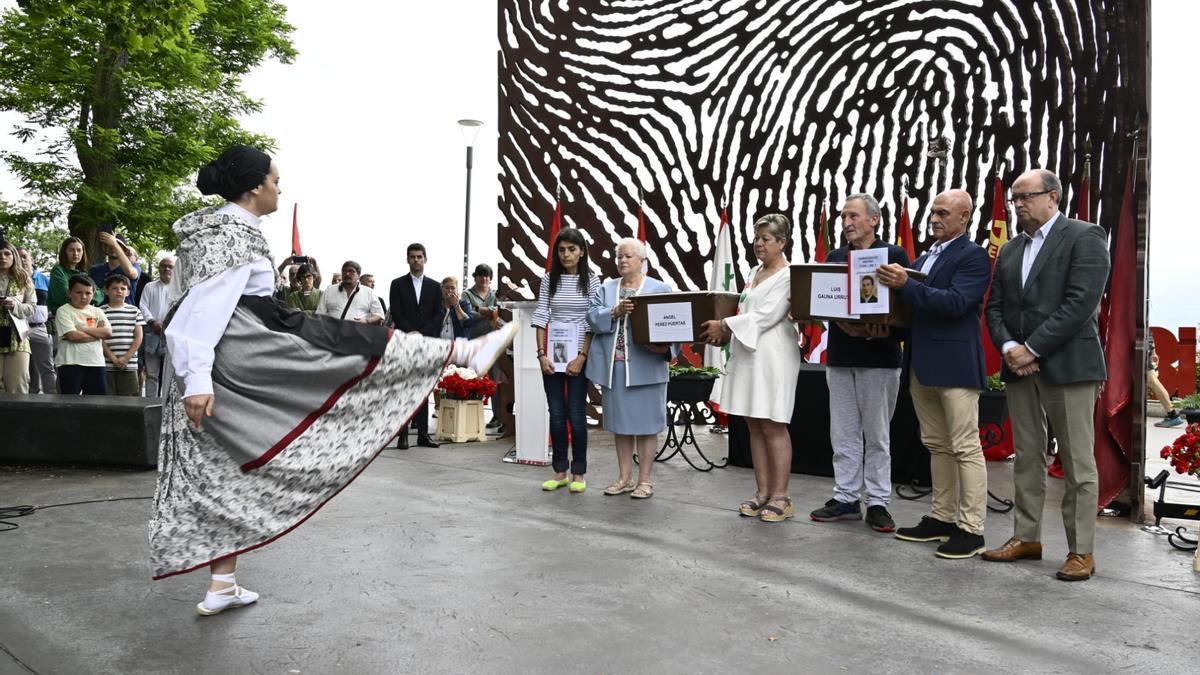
column 814, row 333
column 822, row 241
column 1114, row 414
column 296, row 231
column 555, row 226
column 641, row 235
column 1083, row 207
column 904, row 233
column 997, row 239
column 722, row 280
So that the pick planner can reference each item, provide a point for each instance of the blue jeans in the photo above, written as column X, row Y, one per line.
column 567, row 399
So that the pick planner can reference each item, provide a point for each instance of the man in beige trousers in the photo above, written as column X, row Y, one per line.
column 946, row 372
column 1041, row 312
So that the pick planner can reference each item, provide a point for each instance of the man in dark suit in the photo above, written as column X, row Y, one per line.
column 1041, row 313
column 417, row 309
column 946, row 374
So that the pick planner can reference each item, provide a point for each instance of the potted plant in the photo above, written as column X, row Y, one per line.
column 462, row 395
column 689, row 384
column 1190, row 408
column 993, row 404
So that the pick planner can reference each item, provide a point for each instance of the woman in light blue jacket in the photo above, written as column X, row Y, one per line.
column 632, row 378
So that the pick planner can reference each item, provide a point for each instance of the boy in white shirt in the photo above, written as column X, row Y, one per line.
column 80, row 328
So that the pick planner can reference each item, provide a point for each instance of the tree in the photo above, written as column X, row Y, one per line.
column 34, row 229
column 124, row 99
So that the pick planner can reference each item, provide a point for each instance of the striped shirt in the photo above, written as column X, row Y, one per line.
column 124, row 321
column 567, row 306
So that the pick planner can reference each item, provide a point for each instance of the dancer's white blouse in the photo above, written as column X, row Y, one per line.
column 202, row 316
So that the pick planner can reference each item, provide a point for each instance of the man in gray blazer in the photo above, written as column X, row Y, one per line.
column 1041, row 313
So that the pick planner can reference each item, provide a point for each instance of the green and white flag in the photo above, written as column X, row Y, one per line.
column 722, row 278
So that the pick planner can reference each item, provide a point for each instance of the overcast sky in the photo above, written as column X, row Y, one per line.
column 369, row 148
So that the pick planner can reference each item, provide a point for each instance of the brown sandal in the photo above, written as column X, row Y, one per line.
column 753, row 507
column 774, row 514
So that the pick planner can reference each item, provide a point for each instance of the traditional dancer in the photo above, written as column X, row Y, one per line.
column 241, row 463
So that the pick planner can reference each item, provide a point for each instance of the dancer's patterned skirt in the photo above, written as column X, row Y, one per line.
column 302, row 406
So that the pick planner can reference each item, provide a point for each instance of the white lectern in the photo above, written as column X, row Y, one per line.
column 529, row 404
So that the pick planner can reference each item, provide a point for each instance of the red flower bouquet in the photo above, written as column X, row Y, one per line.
column 463, row 384
column 1184, row 453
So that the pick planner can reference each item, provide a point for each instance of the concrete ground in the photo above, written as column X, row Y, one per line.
column 449, row 561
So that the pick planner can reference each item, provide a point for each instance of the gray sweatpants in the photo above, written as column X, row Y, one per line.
column 861, row 403
column 43, row 379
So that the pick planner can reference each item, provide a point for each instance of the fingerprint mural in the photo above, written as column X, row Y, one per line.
column 686, row 106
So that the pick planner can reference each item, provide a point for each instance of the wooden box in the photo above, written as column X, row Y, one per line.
column 460, row 421
column 705, row 306
column 803, row 298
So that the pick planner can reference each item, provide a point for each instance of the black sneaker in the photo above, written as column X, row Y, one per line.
column 929, row 529
column 835, row 510
column 879, row 519
column 1171, row 420
column 962, row 545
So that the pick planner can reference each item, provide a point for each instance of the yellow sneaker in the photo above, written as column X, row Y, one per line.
column 577, row 486
column 553, row 484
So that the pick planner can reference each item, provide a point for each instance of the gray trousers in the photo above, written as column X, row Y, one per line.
column 43, row 379
column 1069, row 408
column 861, row 403
column 154, row 366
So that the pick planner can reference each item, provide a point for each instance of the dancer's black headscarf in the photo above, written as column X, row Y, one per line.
column 238, row 170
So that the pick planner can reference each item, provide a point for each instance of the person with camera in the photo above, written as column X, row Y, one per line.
column 119, row 261
column 305, row 297
column 289, row 272
column 16, row 307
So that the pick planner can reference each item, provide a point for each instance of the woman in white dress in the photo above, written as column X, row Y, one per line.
column 760, row 376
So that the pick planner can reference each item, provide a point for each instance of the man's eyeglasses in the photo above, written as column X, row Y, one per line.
column 1027, row 196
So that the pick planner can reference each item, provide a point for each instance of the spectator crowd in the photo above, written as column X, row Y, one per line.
column 99, row 329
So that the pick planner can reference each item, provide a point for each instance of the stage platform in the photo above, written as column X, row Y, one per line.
column 450, row 561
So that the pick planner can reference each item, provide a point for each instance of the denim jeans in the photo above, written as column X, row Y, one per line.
column 567, row 399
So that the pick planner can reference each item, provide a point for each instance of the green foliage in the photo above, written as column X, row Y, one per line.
column 124, row 99
column 35, row 230
column 994, row 383
column 707, row 371
column 1189, row 403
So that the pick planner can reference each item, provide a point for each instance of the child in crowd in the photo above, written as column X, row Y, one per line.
column 80, row 328
column 121, row 350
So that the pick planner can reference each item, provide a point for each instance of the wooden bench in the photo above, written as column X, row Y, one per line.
column 57, row 429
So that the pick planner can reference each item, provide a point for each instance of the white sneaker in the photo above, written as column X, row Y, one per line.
column 482, row 353
column 233, row 597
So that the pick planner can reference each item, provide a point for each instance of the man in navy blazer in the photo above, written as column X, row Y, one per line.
column 417, row 309
column 946, row 372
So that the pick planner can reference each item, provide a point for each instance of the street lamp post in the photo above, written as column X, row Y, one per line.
column 469, row 130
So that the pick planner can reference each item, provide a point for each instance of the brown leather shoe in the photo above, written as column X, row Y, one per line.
column 1014, row 549
column 1078, row 567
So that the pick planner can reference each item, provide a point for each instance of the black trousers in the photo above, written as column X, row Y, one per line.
column 420, row 421
column 77, row 380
